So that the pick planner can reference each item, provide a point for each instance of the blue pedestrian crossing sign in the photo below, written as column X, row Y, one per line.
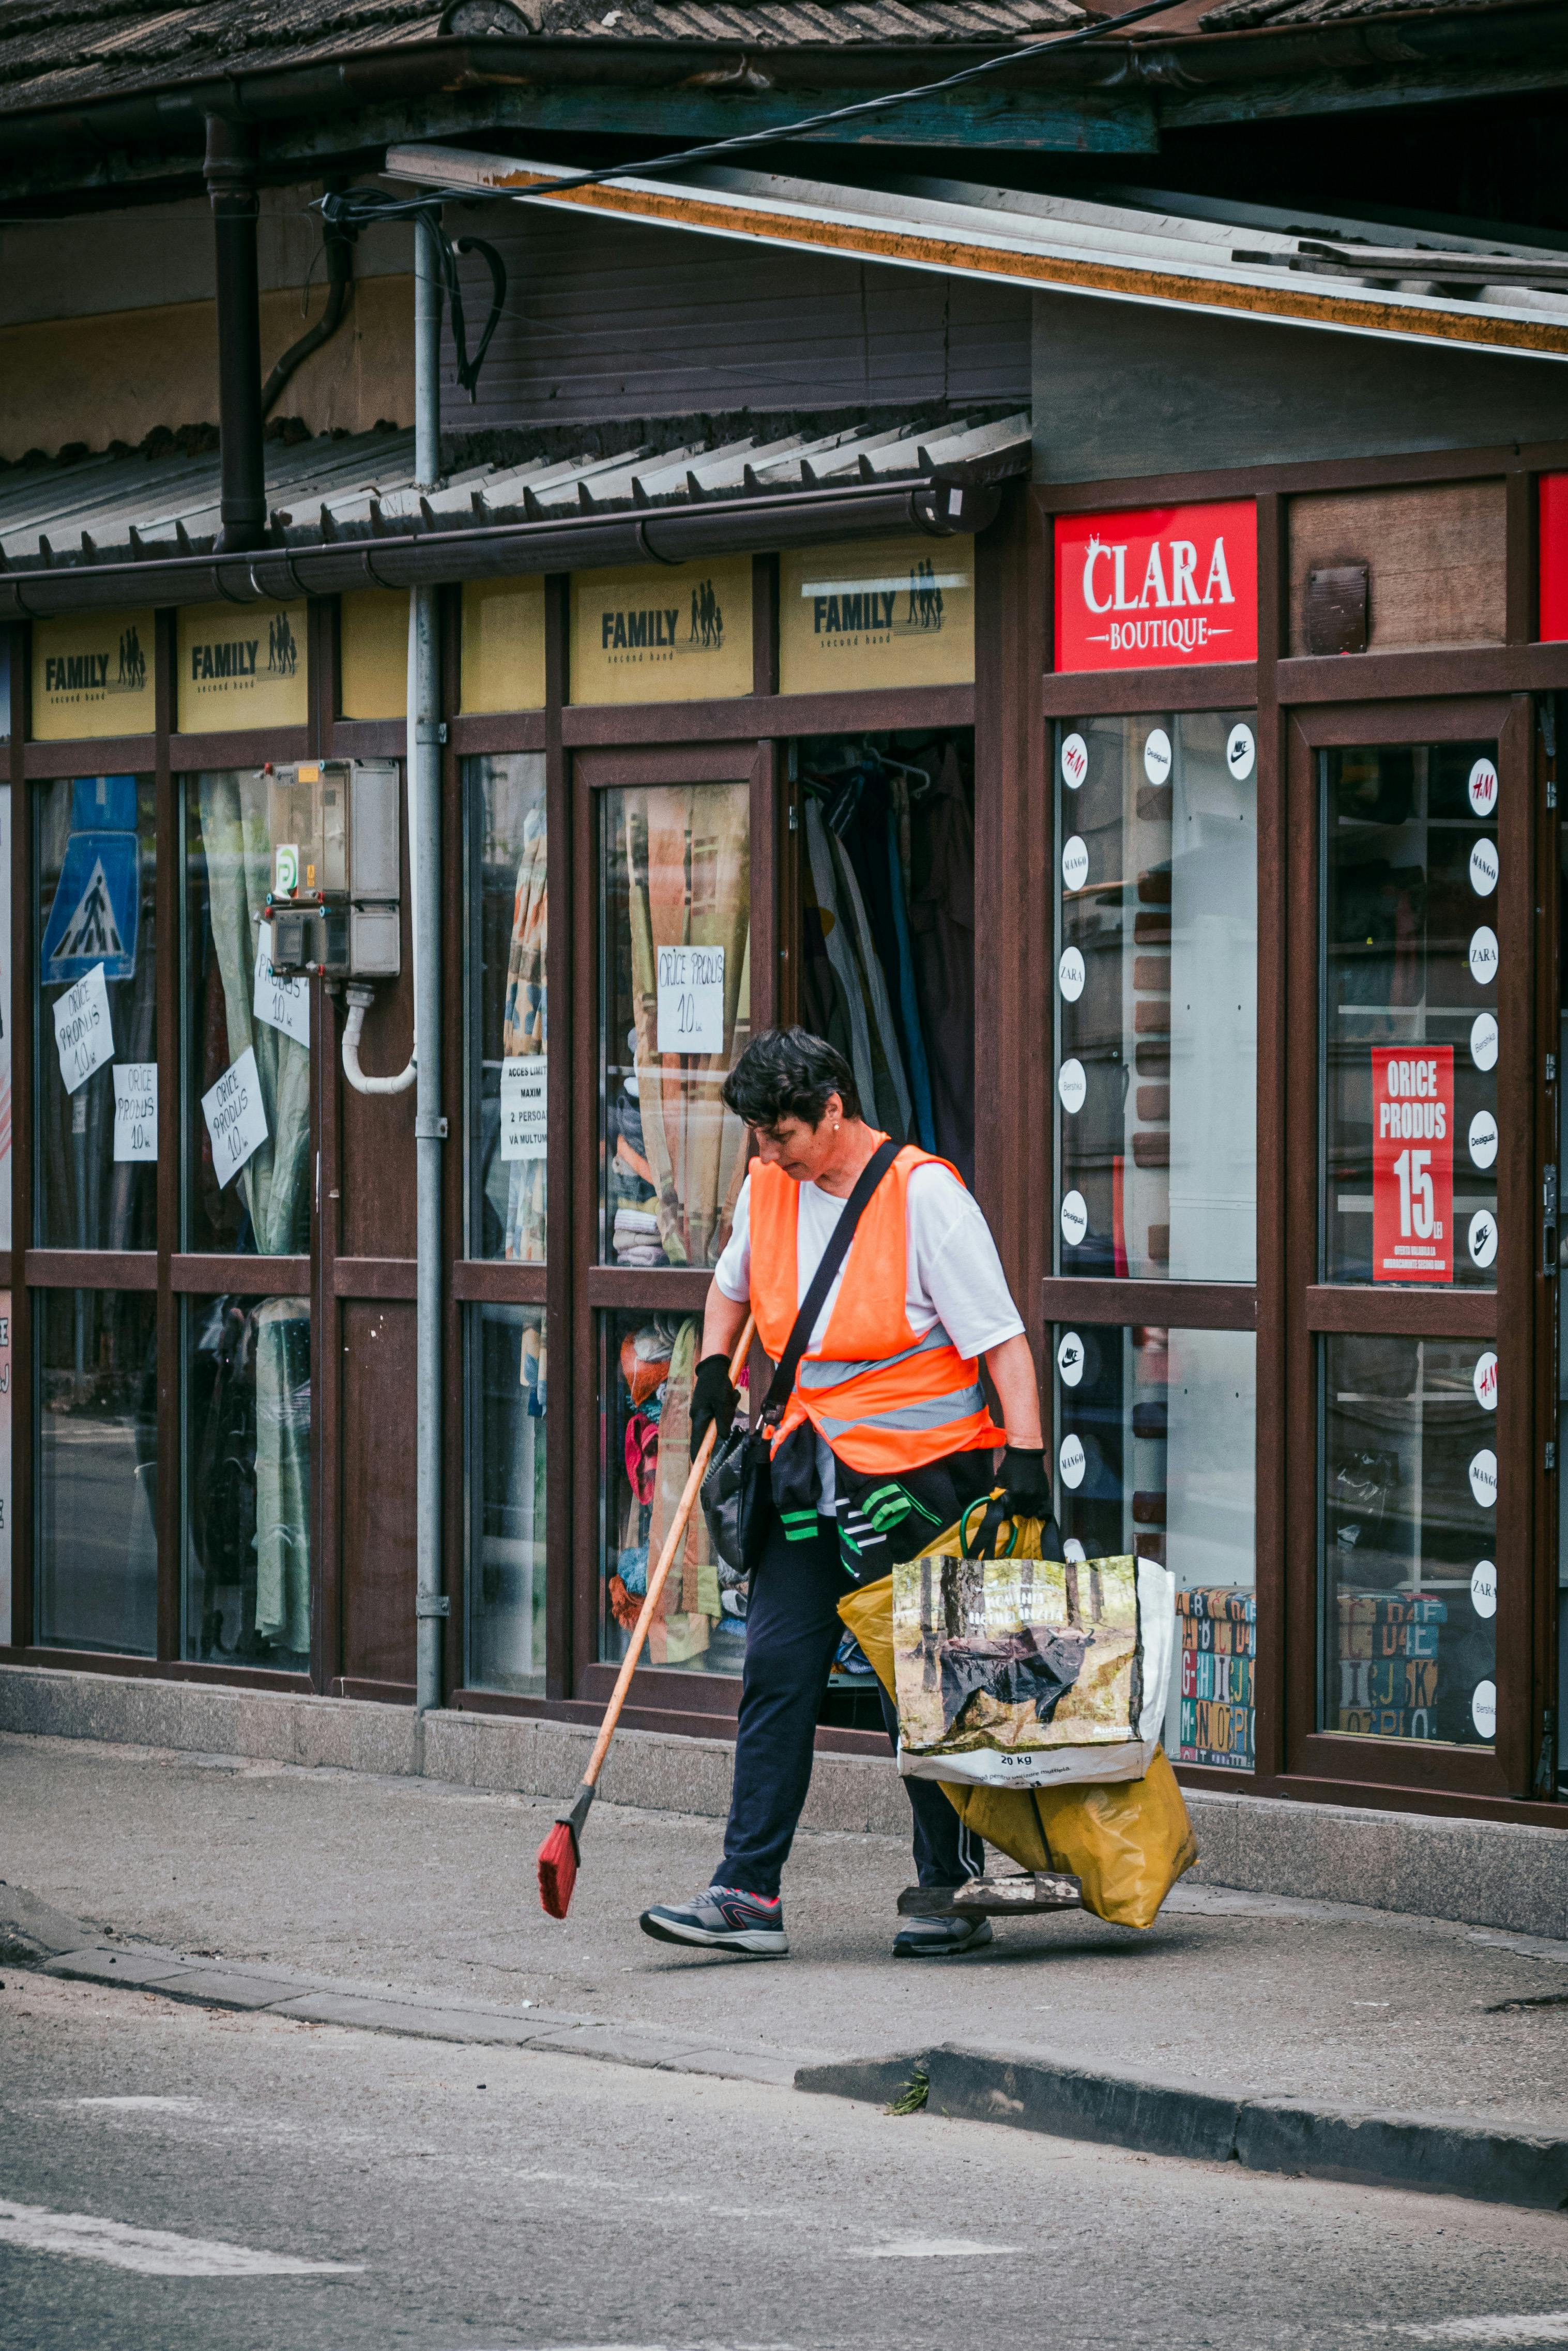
column 97, row 905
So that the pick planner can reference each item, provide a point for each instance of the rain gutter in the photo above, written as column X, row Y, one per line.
column 943, row 508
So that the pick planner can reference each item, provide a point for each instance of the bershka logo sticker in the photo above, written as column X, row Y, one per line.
column 237, row 660
column 90, row 675
column 653, row 632
column 1157, row 587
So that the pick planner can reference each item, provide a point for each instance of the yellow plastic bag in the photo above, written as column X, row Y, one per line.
column 1128, row 1842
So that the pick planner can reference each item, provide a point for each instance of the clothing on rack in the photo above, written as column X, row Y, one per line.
column 524, row 1027
column 942, row 928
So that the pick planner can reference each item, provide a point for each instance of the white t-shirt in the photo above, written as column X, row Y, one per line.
column 953, row 1276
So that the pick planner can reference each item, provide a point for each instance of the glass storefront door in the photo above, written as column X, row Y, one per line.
column 1414, row 1250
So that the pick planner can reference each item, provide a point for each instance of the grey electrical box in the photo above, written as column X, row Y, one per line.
column 337, row 878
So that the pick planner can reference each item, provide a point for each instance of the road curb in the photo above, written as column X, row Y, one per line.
column 1447, row 2154
column 424, row 2016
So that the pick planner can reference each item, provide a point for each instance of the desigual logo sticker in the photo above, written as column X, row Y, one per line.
column 1482, row 1238
column 1075, row 1218
column 1074, row 762
column 1484, row 868
column 1482, row 1139
column 1157, row 756
column 1483, row 787
column 1483, row 1379
column 1483, row 1710
column 1072, row 1086
column 1072, row 1462
column 1071, row 974
column 1240, row 752
column 1483, row 956
column 1483, row 1588
column 1074, row 862
column 1069, row 1358
column 1483, row 1041
column 1483, row 1477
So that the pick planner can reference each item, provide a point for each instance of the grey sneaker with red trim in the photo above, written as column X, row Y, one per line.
column 725, row 1918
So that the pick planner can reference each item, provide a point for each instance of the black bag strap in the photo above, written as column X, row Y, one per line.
column 833, row 1257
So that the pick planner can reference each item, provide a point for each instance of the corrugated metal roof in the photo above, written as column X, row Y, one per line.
column 120, row 509
column 1350, row 277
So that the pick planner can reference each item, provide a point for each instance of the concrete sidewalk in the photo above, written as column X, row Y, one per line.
column 403, row 1885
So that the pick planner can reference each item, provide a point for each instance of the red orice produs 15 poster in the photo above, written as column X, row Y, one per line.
column 1412, row 1163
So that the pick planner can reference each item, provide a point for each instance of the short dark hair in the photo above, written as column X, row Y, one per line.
column 788, row 1074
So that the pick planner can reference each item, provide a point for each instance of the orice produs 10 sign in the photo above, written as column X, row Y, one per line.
column 1158, row 588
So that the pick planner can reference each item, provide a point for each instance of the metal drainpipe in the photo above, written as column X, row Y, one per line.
column 231, row 186
column 424, row 874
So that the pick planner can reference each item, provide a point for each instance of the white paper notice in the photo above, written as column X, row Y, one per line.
column 690, row 999
column 282, row 1003
column 84, row 1037
column 524, row 1118
column 236, row 1116
column 136, row 1110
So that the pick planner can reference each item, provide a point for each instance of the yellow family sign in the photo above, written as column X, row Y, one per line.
column 891, row 611
column 93, row 675
column 664, row 632
column 242, row 665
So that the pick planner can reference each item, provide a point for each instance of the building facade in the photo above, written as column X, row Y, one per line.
column 1127, row 724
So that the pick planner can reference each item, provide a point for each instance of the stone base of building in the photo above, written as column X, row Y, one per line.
column 1495, row 1874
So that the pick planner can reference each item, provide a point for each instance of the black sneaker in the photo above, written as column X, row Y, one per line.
column 941, row 1938
column 722, row 1919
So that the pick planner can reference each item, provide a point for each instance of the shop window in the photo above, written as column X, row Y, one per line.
column 650, row 1362
column 509, row 907
column 507, row 1380
column 674, row 1013
column 1155, row 1445
column 1410, row 1014
column 246, row 1485
column 247, row 1080
column 97, row 1500
column 1407, row 1538
column 1156, row 997
column 95, row 1083
column 5, row 1034
column 887, row 938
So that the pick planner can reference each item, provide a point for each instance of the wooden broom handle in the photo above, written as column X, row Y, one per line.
column 657, row 1581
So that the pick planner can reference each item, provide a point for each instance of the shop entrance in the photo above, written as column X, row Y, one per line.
column 1414, row 1154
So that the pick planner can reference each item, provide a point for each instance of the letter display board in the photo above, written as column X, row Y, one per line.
column 887, row 612
column 663, row 632
column 92, row 674
column 1554, row 491
column 503, row 644
column 1412, row 1163
column 1158, row 588
column 241, row 665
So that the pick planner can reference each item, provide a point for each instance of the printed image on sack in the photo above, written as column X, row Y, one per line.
column 1015, row 1656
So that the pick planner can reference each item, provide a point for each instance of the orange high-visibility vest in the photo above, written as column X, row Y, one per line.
column 884, row 1400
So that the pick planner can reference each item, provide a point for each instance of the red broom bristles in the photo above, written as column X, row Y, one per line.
column 557, row 1869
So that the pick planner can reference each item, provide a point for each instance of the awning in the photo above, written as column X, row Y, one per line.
column 115, row 531
column 1367, row 281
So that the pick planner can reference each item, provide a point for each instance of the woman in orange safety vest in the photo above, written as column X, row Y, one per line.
column 885, row 1438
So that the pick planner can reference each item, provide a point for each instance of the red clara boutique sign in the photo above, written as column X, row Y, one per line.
column 1553, row 556
column 1159, row 588
column 1412, row 1164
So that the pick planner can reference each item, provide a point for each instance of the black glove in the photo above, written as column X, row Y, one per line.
column 1022, row 1478
column 713, row 1399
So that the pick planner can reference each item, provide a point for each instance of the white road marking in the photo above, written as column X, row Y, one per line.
column 930, row 2249
column 1524, row 2326
column 141, row 2105
column 155, row 2253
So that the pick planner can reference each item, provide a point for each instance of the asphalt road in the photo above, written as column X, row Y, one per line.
column 468, row 2199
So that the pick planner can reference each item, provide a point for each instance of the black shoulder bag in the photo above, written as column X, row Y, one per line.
column 737, row 1492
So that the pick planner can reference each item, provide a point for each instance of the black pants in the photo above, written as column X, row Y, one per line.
column 792, row 1629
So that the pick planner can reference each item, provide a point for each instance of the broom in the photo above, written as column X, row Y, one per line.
column 562, row 1850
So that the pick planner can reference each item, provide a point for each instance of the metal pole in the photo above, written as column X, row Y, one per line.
column 231, row 184
column 424, row 873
